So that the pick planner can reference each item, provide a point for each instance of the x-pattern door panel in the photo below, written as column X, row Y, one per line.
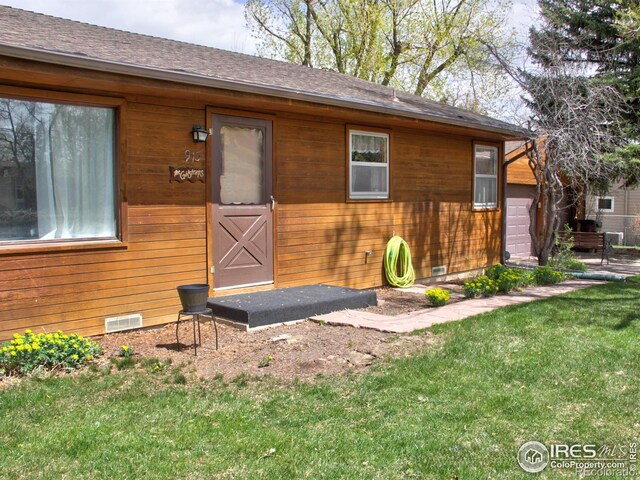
column 246, row 242
column 242, row 213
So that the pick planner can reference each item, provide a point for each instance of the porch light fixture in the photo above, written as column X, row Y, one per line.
column 199, row 133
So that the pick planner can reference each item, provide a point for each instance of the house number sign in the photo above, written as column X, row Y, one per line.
column 187, row 173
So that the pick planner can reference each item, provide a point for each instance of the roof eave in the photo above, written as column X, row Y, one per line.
column 80, row 61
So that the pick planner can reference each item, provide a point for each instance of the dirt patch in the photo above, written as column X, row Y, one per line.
column 392, row 301
column 304, row 351
column 395, row 301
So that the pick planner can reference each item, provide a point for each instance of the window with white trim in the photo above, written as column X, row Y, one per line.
column 485, row 185
column 368, row 165
column 604, row 204
column 57, row 172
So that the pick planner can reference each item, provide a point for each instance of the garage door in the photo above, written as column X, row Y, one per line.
column 519, row 199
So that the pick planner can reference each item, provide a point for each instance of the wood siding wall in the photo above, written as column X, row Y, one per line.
column 323, row 239
column 319, row 237
column 76, row 291
column 519, row 172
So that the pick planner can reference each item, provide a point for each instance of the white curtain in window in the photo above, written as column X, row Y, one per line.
column 370, row 144
column 75, row 171
column 366, row 143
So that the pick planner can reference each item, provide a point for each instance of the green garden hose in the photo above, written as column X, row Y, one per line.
column 397, row 263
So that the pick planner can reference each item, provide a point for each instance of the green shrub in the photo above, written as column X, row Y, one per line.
column 568, row 264
column 526, row 277
column 576, row 265
column 125, row 351
column 545, row 275
column 478, row 286
column 437, row 296
column 46, row 351
column 514, row 279
column 508, row 280
column 564, row 259
column 494, row 271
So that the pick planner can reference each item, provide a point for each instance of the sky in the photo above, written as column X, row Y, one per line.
column 221, row 24
column 214, row 23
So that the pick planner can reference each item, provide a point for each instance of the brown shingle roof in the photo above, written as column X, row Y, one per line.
column 42, row 37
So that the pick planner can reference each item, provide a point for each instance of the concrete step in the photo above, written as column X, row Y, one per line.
column 288, row 304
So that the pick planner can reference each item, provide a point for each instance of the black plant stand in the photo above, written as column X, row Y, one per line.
column 195, row 318
column 194, row 299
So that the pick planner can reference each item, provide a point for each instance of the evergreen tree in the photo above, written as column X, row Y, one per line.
column 602, row 38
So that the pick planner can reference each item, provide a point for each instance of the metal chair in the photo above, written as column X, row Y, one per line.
column 195, row 318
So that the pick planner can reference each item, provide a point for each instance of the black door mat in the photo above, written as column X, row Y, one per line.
column 288, row 304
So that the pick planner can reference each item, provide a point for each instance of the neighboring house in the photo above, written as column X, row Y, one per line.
column 617, row 212
column 520, row 195
column 304, row 178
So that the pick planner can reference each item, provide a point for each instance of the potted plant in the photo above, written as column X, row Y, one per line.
column 194, row 297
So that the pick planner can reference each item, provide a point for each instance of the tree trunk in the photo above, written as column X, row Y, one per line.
column 425, row 77
column 307, row 43
column 395, row 53
column 548, row 195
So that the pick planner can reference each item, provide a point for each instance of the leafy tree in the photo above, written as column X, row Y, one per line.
column 576, row 121
column 578, row 111
column 579, row 117
column 441, row 49
column 601, row 37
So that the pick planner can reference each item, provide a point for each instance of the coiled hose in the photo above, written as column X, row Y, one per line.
column 397, row 263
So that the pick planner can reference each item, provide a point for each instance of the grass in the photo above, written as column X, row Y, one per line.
column 626, row 247
column 563, row 369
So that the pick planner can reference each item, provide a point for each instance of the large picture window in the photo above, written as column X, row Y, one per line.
column 368, row 165
column 57, row 171
column 485, row 191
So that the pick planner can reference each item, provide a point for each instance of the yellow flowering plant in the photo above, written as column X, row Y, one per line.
column 545, row 275
column 480, row 286
column 495, row 271
column 46, row 351
column 437, row 296
column 126, row 351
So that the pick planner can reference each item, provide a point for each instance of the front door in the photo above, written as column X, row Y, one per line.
column 242, row 202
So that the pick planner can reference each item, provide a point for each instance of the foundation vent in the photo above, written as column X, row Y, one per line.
column 124, row 322
column 440, row 270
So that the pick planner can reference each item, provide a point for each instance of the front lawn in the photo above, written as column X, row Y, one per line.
column 564, row 369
